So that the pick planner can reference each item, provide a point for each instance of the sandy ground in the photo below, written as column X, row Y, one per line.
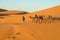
column 29, row 31
column 12, row 28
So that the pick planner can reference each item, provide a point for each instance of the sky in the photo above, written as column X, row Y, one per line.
column 28, row 5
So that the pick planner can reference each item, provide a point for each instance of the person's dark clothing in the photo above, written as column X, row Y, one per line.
column 23, row 19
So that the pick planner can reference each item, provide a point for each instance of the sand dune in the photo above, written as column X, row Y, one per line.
column 10, row 12
column 12, row 27
column 50, row 11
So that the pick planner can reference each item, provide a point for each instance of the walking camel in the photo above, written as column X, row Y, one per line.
column 37, row 18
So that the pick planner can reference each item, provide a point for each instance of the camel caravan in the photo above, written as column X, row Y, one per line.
column 44, row 19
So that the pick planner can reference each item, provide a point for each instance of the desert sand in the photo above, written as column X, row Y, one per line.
column 12, row 27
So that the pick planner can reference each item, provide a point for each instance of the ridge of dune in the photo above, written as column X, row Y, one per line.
column 50, row 11
column 10, row 12
column 16, row 12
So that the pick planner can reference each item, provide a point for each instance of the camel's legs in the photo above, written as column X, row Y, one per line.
column 33, row 20
column 36, row 20
column 39, row 20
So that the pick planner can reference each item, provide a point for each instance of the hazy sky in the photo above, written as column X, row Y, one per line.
column 28, row 5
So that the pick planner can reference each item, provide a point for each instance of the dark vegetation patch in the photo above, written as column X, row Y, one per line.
column 2, row 10
column 21, row 13
column 4, row 14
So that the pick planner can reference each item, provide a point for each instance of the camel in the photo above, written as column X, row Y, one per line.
column 50, row 19
column 54, row 18
column 42, row 18
column 37, row 18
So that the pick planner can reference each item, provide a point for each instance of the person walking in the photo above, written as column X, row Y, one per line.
column 23, row 19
